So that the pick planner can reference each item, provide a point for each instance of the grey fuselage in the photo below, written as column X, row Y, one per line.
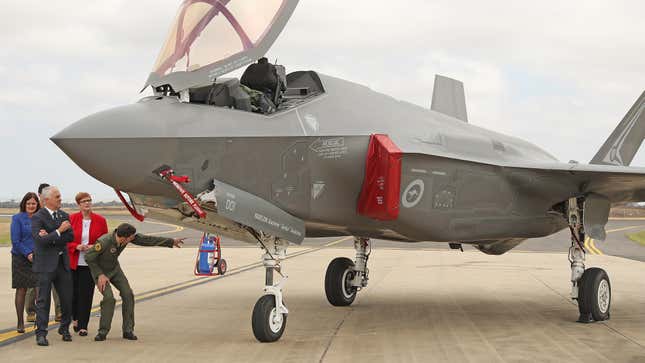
column 310, row 162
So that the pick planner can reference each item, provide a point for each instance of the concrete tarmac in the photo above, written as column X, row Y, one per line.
column 420, row 306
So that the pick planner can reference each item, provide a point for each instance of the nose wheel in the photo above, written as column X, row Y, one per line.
column 269, row 318
column 267, row 321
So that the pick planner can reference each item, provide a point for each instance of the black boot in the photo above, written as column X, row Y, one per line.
column 42, row 340
column 129, row 336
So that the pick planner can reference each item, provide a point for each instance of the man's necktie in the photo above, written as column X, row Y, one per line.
column 56, row 218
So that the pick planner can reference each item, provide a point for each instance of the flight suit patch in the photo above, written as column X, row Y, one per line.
column 97, row 247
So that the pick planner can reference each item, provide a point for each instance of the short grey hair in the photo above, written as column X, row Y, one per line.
column 48, row 191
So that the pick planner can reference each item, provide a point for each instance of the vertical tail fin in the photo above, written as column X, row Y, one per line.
column 624, row 142
column 448, row 97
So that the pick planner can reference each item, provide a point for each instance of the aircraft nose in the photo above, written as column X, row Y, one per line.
column 99, row 145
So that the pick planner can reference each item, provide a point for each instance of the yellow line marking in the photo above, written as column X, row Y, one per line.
column 12, row 334
column 590, row 244
column 622, row 229
column 586, row 245
column 593, row 244
column 177, row 228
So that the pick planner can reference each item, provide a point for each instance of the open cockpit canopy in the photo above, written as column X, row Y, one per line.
column 210, row 38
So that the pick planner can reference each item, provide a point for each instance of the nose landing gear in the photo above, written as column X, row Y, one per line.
column 269, row 318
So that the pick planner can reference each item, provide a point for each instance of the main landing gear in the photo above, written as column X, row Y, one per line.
column 345, row 278
column 269, row 317
column 590, row 287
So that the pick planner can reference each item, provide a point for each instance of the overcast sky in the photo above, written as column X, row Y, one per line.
column 558, row 74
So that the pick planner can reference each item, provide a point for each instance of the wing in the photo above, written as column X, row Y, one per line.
column 618, row 184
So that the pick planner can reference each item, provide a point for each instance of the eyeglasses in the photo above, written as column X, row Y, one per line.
column 86, row 201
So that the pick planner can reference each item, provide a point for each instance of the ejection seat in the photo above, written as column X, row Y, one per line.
column 268, row 79
column 227, row 93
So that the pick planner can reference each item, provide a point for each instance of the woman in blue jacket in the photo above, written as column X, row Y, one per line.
column 22, row 254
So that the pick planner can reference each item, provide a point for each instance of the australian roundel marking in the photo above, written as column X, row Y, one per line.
column 412, row 193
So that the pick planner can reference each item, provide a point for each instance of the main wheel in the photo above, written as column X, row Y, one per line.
column 268, row 324
column 594, row 294
column 338, row 278
column 221, row 266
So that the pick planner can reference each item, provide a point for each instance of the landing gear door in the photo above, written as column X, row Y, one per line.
column 255, row 212
column 595, row 216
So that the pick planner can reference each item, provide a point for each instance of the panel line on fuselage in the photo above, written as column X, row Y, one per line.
column 302, row 125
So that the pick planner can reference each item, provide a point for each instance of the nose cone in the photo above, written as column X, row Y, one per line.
column 103, row 146
column 113, row 123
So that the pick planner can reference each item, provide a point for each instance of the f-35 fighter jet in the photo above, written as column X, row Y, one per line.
column 276, row 157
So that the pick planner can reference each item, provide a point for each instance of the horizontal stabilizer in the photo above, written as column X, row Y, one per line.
column 448, row 97
column 622, row 145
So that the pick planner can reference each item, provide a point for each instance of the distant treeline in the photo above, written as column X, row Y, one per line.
column 16, row 204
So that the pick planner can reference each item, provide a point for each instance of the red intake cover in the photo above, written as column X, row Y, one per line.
column 379, row 197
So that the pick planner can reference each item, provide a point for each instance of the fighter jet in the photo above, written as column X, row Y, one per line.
column 275, row 157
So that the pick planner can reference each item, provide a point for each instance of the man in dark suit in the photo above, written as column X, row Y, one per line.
column 52, row 231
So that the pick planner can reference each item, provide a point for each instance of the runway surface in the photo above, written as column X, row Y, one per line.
column 424, row 303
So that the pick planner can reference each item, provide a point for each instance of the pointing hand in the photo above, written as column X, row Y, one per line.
column 178, row 242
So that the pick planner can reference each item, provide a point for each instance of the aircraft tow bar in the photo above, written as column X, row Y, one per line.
column 176, row 181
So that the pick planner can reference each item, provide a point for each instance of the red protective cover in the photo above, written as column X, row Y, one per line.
column 379, row 197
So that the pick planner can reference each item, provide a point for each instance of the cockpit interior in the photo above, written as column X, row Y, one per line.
column 260, row 92
column 211, row 38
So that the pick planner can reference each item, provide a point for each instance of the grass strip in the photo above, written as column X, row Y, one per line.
column 638, row 237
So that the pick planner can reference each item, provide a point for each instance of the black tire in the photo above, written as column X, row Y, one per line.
column 339, row 273
column 593, row 284
column 260, row 320
column 221, row 266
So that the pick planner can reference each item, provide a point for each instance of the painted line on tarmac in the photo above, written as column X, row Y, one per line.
column 10, row 336
column 177, row 228
column 591, row 247
column 622, row 229
column 590, row 244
